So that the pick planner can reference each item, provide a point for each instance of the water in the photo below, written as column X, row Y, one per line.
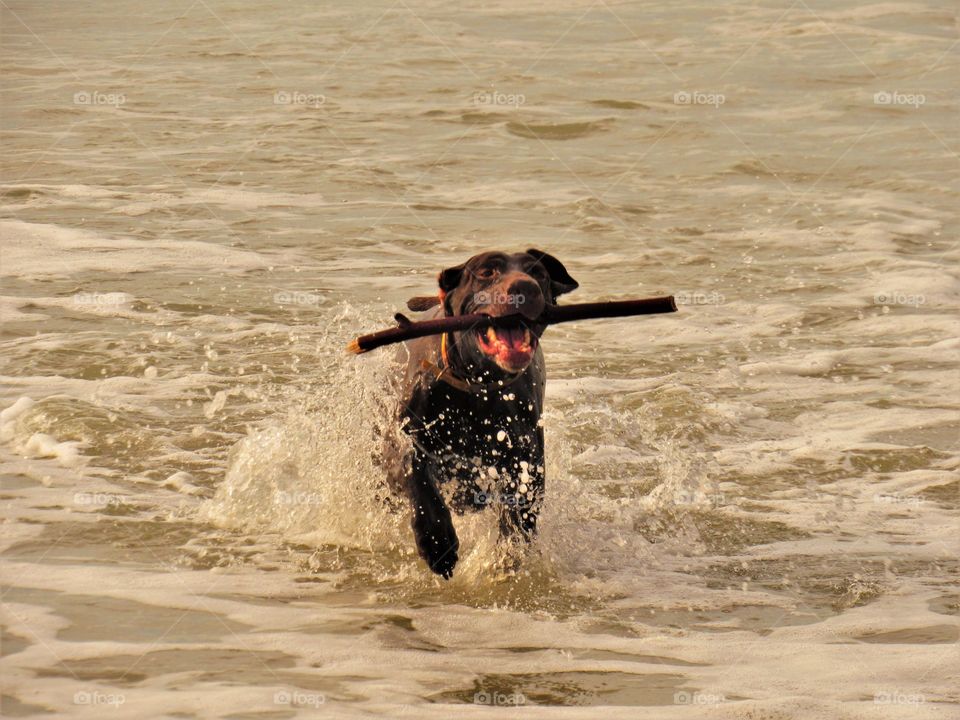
column 752, row 504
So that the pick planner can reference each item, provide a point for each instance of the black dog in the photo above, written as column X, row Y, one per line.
column 471, row 404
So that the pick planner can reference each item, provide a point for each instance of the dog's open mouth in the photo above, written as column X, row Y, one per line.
column 511, row 348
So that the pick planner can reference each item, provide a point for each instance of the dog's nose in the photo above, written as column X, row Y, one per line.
column 525, row 295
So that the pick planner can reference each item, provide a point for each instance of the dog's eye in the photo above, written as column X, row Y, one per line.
column 486, row 273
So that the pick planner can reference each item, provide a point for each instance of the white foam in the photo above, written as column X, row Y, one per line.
column 37, row 251
column 9, row 416
column 185, row 483
column 37, row 444
column 41, row 445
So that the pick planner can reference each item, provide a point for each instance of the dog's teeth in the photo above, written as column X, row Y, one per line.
column 526, row 336
column 491, row 334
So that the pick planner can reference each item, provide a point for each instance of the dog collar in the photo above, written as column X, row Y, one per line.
column 444, row 373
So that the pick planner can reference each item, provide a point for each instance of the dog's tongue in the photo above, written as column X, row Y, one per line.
column 514, row 337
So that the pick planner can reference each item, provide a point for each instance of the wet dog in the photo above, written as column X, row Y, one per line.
column 471, row 403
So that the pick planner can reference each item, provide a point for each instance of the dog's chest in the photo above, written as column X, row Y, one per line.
column 501, row 422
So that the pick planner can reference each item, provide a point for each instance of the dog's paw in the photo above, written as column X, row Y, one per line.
column 437, row 541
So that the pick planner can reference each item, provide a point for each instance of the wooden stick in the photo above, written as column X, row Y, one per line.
column 552, row 315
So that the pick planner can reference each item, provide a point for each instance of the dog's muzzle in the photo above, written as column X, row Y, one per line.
column 511, row 348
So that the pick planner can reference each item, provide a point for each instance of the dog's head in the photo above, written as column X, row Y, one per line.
column 495, row 283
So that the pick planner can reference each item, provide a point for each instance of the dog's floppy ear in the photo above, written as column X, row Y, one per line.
column 450, row 278
column 560, row 280
column 447, row 279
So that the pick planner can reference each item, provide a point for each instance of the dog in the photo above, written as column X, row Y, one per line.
column 471, row 401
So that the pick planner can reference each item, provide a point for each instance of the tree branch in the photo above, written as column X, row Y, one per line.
column 554, row 314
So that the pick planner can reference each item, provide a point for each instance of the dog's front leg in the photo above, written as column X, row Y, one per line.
column 521, row 501
column 432, row 525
